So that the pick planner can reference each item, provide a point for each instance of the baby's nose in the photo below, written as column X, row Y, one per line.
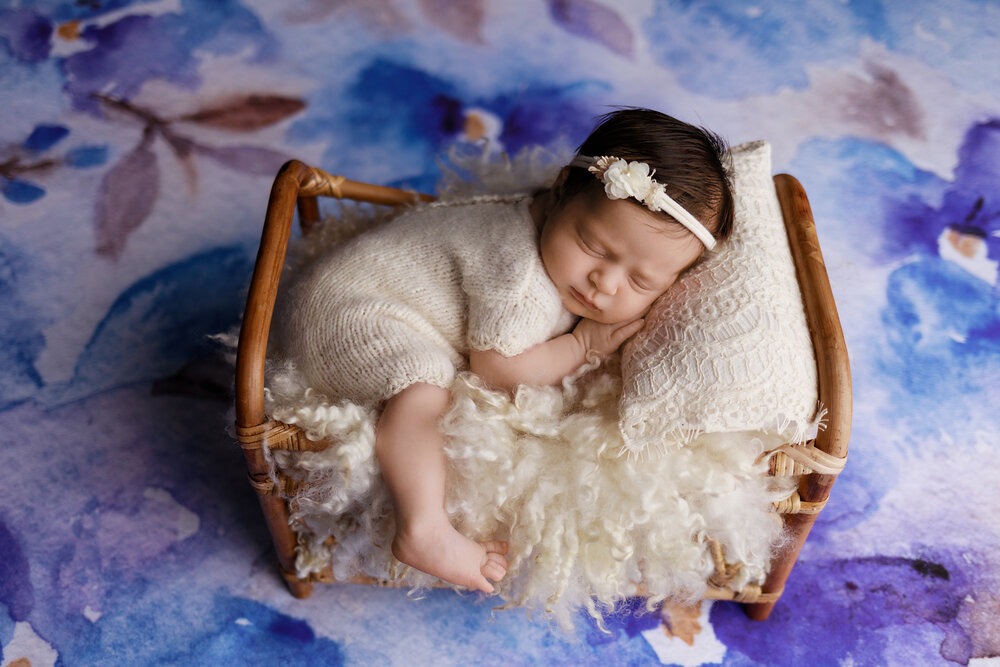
column 605, row 281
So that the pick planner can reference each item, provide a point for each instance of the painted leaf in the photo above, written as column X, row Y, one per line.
column 163, row 320
column 380, row 13
column 44, row 137
column 183, row 149
column 17, row 191
column 125, row 199
column 181, row 146
column 682, row 621
column 248, row 159
column 86, row 156
column 248, row 113
column 21, row 342
column 462, row 19
column 593, row 21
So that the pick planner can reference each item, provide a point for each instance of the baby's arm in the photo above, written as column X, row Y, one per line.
column 549, row 362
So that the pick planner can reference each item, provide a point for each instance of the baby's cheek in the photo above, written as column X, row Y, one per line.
column 649, row 301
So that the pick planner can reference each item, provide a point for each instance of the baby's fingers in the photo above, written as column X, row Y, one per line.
column 626, row 331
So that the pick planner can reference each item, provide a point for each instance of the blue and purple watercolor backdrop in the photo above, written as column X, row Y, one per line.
column 136, row 150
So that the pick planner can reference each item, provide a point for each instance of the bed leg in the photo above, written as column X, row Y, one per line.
column 299, row 588
column 797, row 527
column 758, row 611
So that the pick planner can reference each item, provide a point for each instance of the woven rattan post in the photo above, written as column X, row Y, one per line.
column 308, row 213
column 833, row 369
column 250, row 360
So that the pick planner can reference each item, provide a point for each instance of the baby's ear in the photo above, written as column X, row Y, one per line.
column 558, row 189
column 560, row 183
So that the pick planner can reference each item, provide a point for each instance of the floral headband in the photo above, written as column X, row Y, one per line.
column 633, row 179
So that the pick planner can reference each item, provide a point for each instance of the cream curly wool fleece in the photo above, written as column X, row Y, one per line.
column 542, row 470
column 406, row 302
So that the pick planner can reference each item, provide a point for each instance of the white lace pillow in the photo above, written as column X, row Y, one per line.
column 728, row 348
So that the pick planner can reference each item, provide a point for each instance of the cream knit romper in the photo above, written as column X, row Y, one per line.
column 405, row 302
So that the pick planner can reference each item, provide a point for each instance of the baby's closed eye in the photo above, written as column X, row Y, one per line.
column 591, row 248
column 642, row 283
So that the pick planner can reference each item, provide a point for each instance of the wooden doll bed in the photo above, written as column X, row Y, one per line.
column 297, row 186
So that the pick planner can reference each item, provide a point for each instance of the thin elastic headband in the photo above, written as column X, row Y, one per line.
column 633, row 179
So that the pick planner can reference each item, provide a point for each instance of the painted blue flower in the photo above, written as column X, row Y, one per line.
column 16, row 591
column 846, row 607
column 410, row 116
column 26, row 34
column 732, row 50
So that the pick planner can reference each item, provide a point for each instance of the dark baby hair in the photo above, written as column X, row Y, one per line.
column 692, row 162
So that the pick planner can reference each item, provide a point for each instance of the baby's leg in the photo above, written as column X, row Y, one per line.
column 409, row 446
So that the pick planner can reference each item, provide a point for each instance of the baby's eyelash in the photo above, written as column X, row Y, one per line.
column 641, row 284
column 593, row 250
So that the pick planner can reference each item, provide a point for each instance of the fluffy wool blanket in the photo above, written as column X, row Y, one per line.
column 543, row 470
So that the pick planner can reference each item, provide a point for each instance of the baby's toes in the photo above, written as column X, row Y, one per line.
column 482, row 584
column 495, row 547
column 499, row 559
column 494, row 571
column 495, row 567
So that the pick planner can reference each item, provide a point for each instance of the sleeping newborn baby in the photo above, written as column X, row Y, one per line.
column 516, row 289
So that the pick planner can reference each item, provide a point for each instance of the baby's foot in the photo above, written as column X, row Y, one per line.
column 443, row 552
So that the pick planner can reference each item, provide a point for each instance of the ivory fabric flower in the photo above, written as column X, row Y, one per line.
column 658, row 200
column 628, row 179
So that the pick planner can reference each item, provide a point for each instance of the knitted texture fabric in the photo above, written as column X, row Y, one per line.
column 404, row 302
column 727, row 348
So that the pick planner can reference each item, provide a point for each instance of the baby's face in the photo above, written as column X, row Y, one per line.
column 610, row 259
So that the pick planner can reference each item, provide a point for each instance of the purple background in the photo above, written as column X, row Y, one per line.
column 136, row 153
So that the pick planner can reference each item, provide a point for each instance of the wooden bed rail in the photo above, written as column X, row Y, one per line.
column 832, row 366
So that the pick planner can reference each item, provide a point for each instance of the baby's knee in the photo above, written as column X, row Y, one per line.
column 417, row 403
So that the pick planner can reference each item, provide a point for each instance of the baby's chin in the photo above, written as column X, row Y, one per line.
column 604, row 318
column 620, row 318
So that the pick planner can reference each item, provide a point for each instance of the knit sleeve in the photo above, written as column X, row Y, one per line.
column 508, row 327
column 512, row 303
column 511, row 324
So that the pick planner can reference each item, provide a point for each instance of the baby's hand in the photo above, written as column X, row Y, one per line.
column 605, row 338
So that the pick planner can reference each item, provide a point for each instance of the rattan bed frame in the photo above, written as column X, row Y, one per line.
column 298, row 185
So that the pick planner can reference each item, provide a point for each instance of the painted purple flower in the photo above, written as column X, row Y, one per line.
column 125, row 54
